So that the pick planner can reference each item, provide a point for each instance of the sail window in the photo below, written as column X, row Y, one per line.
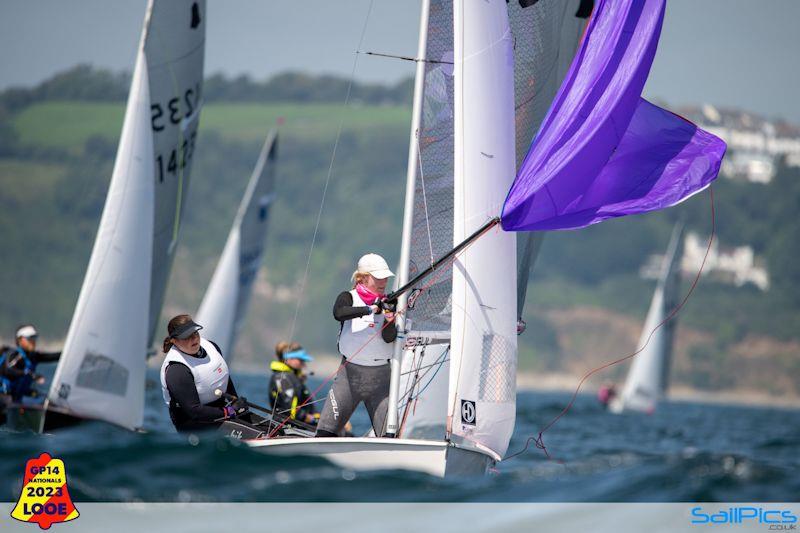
column 103, row 374
column 498, row 370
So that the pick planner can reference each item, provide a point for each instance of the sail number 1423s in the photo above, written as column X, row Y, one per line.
column 172, row 113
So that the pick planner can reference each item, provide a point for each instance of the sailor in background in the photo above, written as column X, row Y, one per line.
column 288, row 393
column 606, row 394
column 192, row 372
column 18, row 364
column 366, row 335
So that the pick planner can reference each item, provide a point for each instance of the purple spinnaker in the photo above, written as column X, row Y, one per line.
column 603, row 151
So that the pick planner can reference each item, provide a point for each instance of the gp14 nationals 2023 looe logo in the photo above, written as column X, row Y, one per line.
column 44, row 498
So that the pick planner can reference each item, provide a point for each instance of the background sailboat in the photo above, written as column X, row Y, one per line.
column 225, row 302
column 101, row 371
column 648, row 376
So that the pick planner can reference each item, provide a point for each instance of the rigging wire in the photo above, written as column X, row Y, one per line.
column 330, row 172
column 539, row 439
column 405, row 58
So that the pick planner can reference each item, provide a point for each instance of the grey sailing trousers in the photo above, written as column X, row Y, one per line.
column 352, row 385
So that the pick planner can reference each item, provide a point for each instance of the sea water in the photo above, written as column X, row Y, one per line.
column 683, row 452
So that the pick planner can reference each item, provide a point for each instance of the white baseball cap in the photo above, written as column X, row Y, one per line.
column 27, row 332
column 375, row 265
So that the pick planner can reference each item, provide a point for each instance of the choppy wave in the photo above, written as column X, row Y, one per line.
column 684, row 452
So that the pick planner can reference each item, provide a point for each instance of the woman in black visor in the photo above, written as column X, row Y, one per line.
column 192, row 372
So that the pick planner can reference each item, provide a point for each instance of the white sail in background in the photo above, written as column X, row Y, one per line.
column 101, row 371
column 175, row 49
column 648, row 377
column 483, row 358
column 224, row 305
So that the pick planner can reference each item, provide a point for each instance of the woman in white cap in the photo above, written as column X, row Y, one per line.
column 366, row 335
column 192, row 372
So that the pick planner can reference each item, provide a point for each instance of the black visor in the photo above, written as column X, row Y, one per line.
column 186, row 330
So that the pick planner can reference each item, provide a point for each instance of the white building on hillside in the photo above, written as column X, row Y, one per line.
column 737, row 266
column 754, row 144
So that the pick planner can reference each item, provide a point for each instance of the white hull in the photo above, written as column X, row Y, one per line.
column 437, row 458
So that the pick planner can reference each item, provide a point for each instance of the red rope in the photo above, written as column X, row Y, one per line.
column 539, row 440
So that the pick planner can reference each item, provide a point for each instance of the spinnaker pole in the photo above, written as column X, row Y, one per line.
column 408, row 220
column 395, row 296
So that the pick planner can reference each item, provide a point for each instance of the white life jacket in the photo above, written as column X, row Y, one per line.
column 210, row 372
column 361, row 340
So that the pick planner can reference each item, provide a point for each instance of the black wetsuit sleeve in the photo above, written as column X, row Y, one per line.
column 343, row 309
column 45, row 357
column 183, row 392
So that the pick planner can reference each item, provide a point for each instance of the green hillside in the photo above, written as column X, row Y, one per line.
column 55, row 164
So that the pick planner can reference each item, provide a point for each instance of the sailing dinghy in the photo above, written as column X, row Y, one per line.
column 648, row 376
column 101, row 372
column 600, row 152
column 225, row 302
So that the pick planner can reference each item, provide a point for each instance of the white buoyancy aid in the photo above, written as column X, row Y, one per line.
column 210, row 372
column 361, row 340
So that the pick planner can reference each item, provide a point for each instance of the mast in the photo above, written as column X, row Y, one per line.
column 408, row 218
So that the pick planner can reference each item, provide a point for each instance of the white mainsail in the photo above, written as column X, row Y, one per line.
column 175, row 50
column 101, row 371
column 224, row 305
column 648, row 377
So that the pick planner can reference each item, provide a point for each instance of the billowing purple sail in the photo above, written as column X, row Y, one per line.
column 603, row 151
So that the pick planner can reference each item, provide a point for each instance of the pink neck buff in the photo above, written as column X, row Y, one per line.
column 367, row 295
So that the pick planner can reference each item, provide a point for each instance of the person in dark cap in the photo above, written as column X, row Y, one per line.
column 192, row 372
column 18, row 364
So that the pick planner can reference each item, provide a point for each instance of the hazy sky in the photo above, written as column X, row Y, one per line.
column 739, row 53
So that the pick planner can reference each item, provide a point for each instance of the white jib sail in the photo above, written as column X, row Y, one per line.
column 101, row 371
column 174, row 48
column 225, row 303
column 483, row 355
column 647, row 379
